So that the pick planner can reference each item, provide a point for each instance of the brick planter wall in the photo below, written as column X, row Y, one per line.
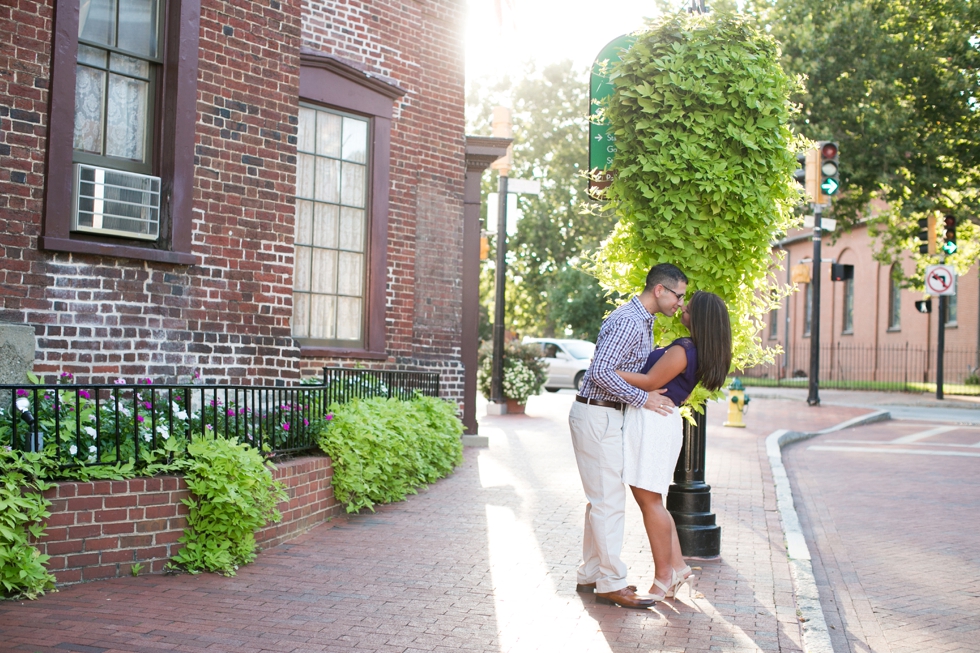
column 99, row 529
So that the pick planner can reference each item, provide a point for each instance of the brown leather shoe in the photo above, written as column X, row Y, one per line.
column 624, row 598
column 588, row 588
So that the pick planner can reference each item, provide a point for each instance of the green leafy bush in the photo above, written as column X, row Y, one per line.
column 233, row 495
column 23, row 510
column 383, row 449
column 704, row 167
column 524, row 370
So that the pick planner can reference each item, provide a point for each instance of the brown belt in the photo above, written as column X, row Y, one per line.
column 600, row 402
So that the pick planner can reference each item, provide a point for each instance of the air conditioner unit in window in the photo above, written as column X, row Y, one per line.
column 115, row 202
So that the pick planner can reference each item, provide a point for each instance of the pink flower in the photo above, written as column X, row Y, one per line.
column 285, row 426
column 231, row 412
column 84, row 394
column 306, row 422
column 147, row 405
column 22, row 393
column 149, row 381
column 120, row 381
column 329, row 417
column 139, row 418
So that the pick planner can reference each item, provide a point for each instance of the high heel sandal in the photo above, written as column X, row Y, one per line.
column 678, row 580
column 664, row 589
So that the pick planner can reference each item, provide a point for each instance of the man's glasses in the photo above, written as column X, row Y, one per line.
column 679, row 296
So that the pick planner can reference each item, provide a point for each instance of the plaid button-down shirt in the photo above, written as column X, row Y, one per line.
column 625, row 341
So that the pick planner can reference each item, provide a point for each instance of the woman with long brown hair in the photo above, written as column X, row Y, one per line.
column 652, row 441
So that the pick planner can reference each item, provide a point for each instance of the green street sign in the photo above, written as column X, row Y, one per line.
column 830, row 186
column 602, row 144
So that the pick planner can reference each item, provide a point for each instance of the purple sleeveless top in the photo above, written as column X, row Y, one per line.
column 679, row 387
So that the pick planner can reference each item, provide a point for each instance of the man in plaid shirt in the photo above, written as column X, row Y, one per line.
column 596, row 422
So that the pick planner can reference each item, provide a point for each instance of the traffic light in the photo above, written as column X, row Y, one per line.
column 924, row 306
column 927, row 235
column 829, row 171
column 484, row 248
column 800, row 173
column 949, row 233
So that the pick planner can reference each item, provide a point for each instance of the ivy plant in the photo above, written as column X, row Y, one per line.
column 384, row 449
column 703, row 167
column 23, row 510
column 233, row 495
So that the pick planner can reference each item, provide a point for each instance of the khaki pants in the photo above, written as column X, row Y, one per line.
column 597, row 437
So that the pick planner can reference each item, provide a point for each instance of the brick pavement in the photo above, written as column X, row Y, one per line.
column 892, row 526
column 481, row 561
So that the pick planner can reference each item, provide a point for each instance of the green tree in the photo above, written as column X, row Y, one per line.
column 547, row 292
column 705, row 155
column 895, row 83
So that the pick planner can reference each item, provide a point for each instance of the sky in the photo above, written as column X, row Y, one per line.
column 545, row 31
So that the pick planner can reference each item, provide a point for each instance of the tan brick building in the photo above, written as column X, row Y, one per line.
column 869, row 326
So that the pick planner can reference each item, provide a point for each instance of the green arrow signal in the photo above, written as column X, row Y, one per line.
column 829, row 186
column 949, row 247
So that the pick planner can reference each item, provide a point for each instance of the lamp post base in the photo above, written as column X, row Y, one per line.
column 690, row 506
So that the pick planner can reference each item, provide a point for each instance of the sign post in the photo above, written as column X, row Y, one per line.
column 941, row 281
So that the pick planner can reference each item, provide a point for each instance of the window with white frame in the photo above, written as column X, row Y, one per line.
column 332, row 191
column 894, row 301
column 848, row 326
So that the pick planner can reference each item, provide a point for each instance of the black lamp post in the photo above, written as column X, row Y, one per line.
column 689, row 497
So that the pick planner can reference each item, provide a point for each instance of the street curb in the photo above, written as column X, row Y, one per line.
column 813, row 626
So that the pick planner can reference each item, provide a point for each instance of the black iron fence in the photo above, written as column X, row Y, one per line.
column 863, row 367
column 343, row 384
column 85, row 425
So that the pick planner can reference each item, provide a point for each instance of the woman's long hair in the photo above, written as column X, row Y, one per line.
column 711, row 331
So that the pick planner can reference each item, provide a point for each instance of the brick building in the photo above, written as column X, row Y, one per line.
column 248, row 189
column 869, row 326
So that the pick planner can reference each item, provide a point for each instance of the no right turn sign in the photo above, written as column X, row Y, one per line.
column 940, row 280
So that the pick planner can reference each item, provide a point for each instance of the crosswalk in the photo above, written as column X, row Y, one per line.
column 920, row 443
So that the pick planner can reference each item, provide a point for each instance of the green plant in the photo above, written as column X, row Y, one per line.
column 524, row 370
column 383, row 449
column 23, row 510
column 136, row 569
column 703, row 168
column 233, row 495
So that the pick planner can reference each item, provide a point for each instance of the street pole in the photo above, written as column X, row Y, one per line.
column 502, row 128
column 689, row 497
column 500, row 279
column 814, row 398
column 941, row 345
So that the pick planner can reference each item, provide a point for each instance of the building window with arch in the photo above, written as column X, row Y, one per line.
column 808, row 314
column 848, row 309
column 894, row 301
column 342, row 178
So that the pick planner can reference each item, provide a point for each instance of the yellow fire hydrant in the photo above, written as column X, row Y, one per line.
column 737, row 404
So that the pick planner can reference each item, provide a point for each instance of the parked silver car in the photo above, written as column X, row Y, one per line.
column 567, row 361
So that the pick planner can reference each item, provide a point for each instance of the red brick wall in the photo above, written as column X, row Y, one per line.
column 229, row 315
column 100, row 529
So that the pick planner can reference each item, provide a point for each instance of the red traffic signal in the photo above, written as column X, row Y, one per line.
column 828, row 151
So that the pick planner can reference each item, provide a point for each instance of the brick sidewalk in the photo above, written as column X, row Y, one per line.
column 482, row 561
column 892, row 526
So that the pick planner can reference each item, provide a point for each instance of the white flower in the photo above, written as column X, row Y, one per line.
column 181, row 414
column 91, row 459
column 73, row 450
column 124, row 410
column 147, row 437
column 163, row 431
column 92, row 449
column 91, row 431
column 91, row 416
